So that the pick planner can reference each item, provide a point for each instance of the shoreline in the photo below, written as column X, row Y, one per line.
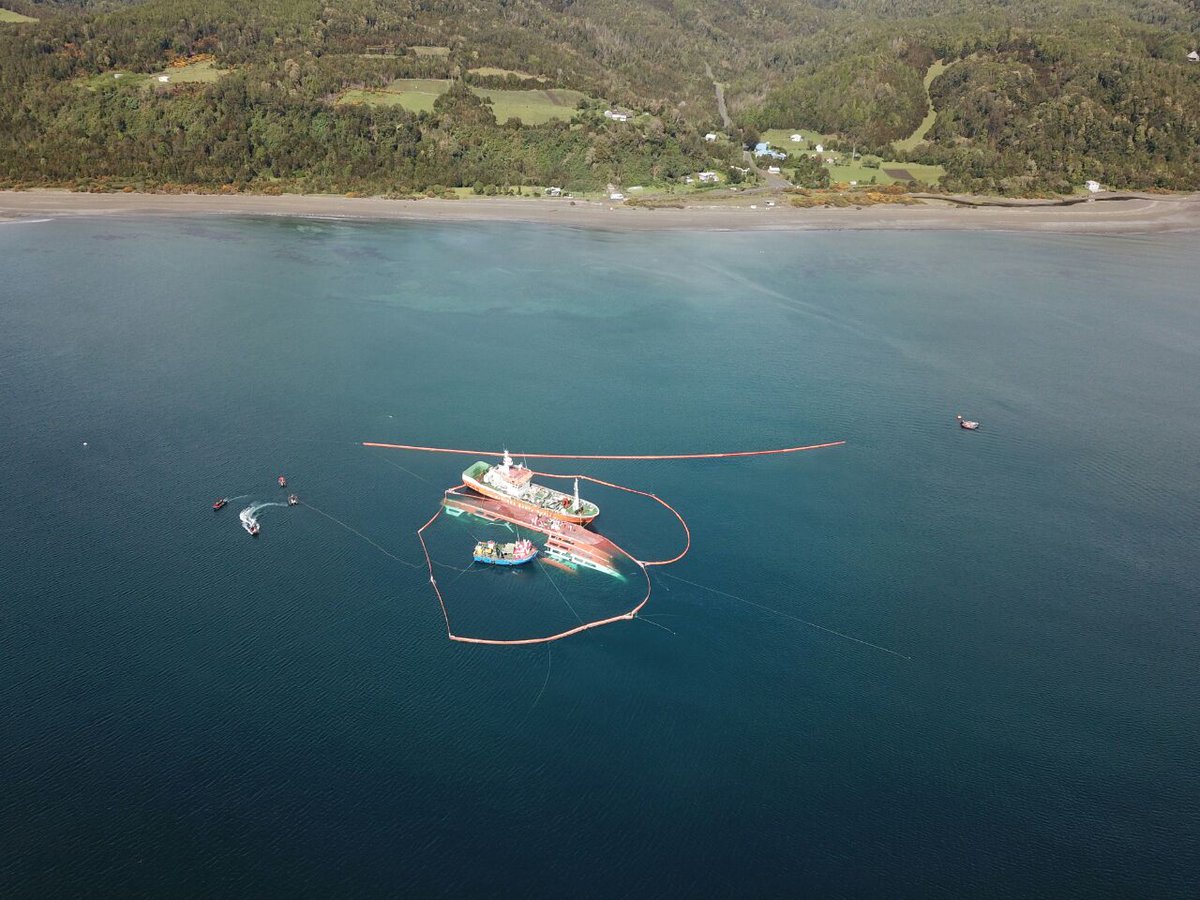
column 1114, row 214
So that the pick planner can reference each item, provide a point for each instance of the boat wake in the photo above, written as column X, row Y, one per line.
column 249, row 516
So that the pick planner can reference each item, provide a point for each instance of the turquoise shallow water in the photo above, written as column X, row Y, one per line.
column 189, row 711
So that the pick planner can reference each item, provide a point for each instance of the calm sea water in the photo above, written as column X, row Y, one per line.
column 1007, row 707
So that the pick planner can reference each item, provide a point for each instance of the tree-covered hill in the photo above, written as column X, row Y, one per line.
column 1034, row 95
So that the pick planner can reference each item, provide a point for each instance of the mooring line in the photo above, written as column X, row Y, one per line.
column 788, row 616
column 382, row 550
column 402, row 468
column 655, row 624
column 560, row 593
column 538, row 698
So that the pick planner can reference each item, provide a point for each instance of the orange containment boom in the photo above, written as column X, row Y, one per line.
column 602, row 456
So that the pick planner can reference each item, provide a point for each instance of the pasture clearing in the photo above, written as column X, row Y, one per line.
column 936, row 68
column 203, row 72
column 781, row 139
column 417, row 95
column 7, row 15
column 493, row 72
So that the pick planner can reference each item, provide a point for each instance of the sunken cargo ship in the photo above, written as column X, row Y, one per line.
column 513, row 484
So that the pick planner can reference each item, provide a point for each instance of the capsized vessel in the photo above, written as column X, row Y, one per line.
column 513, row 554
column 512, row 484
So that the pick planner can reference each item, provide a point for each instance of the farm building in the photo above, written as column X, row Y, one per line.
column 762, row 149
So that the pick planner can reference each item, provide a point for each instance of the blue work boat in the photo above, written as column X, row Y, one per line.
column 513, row 554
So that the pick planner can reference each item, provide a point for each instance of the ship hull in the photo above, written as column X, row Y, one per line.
column 563, row 515
column 491, row 561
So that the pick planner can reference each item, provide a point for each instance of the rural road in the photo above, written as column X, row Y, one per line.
column 726, row 122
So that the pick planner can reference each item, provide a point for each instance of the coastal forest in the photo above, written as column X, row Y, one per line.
column 409, row 97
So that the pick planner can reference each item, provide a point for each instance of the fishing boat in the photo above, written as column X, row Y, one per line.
column 220, row 502
column 967, row 424
column 513, row 554
column 282, row 481
column 293, row 499
column 513, row 484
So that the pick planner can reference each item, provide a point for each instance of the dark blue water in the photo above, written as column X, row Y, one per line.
column 1008, row 706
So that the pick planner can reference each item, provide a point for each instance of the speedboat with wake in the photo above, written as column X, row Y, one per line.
column 249, row 523
column 221, row 501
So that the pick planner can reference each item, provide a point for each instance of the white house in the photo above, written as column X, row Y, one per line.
column 820, row 148
column 1194, row 56
column 707, row 177
column 616, row 116
column 1092, row 186
column 797, row 138
column 554, row 192
column 711, row 137
column 164, row 78
column 616, row 195
column 688, row 179
column 774, row 170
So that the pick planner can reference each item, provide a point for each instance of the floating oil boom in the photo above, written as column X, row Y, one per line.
column 567, row 538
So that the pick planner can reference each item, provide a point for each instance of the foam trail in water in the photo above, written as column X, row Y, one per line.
column 249, row 515
column 253, row 508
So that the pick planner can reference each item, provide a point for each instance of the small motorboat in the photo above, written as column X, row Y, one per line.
column 513, row 554
column 249, row 522
column 282, row 481
column 967, row 424
column 293, row 499
column 220, row 502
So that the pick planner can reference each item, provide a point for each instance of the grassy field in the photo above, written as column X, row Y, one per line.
column 936, row 69
column 492, row 71
column 203, row 72
column 780, row 139
column 7, row 15
column 862, row 174
column 418, row 94
column 197, row 73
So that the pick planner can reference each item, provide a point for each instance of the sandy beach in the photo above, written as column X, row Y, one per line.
column 1111, row 214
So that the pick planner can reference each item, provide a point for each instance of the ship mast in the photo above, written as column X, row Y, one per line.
column 575, row 508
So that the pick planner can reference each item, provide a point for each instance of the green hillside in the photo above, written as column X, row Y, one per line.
column 1015, row 96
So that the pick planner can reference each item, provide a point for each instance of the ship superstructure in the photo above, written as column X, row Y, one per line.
column 513, row 484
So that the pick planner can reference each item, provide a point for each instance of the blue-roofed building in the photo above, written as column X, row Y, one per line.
column 762, row 148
